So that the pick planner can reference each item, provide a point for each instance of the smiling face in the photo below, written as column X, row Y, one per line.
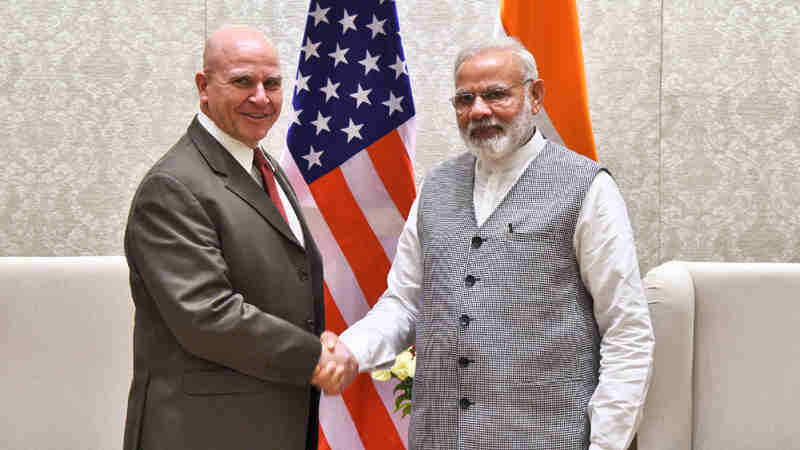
column 240, row 85
column 495, row 130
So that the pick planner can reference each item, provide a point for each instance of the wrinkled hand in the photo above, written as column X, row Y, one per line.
column 337, row 367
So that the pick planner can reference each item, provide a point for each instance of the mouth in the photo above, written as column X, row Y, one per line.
column 256, row 116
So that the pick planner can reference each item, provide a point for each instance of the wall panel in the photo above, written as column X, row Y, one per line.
column 704, row 145
column 622, row 51
column 93, row 92
column 730, row 141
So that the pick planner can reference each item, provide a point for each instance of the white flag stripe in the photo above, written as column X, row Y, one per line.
column 384, row 390
column 346, row 294
column 339, row 277
column 338, row 426
column 408, row 134
column 377, row 206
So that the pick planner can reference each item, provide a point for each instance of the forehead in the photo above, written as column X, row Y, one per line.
column 249, row 56
column 487, row 68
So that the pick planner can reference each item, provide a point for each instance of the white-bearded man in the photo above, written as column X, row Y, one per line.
column 516, row 277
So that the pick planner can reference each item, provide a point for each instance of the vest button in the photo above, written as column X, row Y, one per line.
column 465, row 403
column 464, row 362
column 476, row 242
column 464, row 320
column 469, row 281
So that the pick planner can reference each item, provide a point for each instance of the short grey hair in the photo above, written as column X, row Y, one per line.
column 529, row 71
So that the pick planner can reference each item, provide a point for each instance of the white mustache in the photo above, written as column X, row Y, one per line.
column 487, row 122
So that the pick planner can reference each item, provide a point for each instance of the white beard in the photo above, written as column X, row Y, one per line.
column 512, row 136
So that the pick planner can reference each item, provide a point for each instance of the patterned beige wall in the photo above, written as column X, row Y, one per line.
column 694, row 107
column 730, row 126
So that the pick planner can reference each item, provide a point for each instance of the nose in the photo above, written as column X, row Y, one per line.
column 480, row 109
column 259, row 96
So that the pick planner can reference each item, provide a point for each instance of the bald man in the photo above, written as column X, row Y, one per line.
column 225, row 276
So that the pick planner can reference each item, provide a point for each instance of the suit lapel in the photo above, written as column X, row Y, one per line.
column 237, row 180
column 283, row 181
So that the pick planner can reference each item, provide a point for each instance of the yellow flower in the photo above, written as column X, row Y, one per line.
column 381, row 375
column 404, row 365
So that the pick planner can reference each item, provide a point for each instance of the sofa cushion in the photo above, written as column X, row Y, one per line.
column 66, row 327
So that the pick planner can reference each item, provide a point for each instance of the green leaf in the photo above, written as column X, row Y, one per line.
column 397, row 402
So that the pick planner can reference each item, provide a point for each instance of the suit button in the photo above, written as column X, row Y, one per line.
column 464, row 362
column 465, row 403
column 310, row 324
column 464, row 319
column 469, row 281
column 302, row 274
column 476, row 242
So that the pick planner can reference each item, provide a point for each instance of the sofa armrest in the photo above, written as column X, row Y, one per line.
column 667, row 419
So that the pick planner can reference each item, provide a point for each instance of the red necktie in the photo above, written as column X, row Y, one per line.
column 269, row 181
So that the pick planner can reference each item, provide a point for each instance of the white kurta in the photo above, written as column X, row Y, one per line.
column 606, row 254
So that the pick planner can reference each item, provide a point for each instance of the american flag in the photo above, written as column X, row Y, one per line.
column 350, row 146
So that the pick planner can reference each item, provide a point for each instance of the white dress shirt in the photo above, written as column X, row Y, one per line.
column 606, row 254
column 244, row 155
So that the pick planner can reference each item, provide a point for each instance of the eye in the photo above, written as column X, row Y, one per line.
column 243, row 82
column 271, row 84
column 464, row 99
column 495, row 95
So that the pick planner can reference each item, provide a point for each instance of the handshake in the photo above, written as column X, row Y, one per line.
column 337, row 367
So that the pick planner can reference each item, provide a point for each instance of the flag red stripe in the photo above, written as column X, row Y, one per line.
column 323, row 441
column 375, row 427
column 391, row 161
column 352, row 232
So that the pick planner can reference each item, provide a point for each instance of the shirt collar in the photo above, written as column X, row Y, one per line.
column 520, row 158
column 240, row 152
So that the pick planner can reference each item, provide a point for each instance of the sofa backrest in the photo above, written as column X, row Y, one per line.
column 727, row 357
column 66, row 352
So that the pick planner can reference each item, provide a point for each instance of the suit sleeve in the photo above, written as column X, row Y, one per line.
column 173, row 246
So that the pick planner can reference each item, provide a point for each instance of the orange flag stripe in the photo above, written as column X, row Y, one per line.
column 550, row 30
column 391, row 162
column 375, row 427
column 352, row 232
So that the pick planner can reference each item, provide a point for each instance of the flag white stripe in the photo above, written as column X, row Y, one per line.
column 339, row 277
column 408, row 134
column 344, row 288
column 338, row 426
column 377, row 206
column 384, row 390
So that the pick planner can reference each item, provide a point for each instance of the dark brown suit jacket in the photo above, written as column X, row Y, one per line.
column 229, row 307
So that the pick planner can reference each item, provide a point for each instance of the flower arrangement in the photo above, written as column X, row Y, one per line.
column 403, row 369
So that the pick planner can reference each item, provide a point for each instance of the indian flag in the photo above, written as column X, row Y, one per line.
column 549, row 30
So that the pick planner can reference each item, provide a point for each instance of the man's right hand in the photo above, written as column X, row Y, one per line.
column 337, row 367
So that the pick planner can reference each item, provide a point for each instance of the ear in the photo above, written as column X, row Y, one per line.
column 536, row 96
column 201, row 81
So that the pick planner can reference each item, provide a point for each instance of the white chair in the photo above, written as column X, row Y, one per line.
column 66, row 352
column 727, row 357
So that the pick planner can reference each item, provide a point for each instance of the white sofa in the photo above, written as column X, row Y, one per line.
column 727, row 369
column 727, row 357
column 66, row 352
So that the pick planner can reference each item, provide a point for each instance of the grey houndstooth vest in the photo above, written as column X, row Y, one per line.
column 507, row 346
